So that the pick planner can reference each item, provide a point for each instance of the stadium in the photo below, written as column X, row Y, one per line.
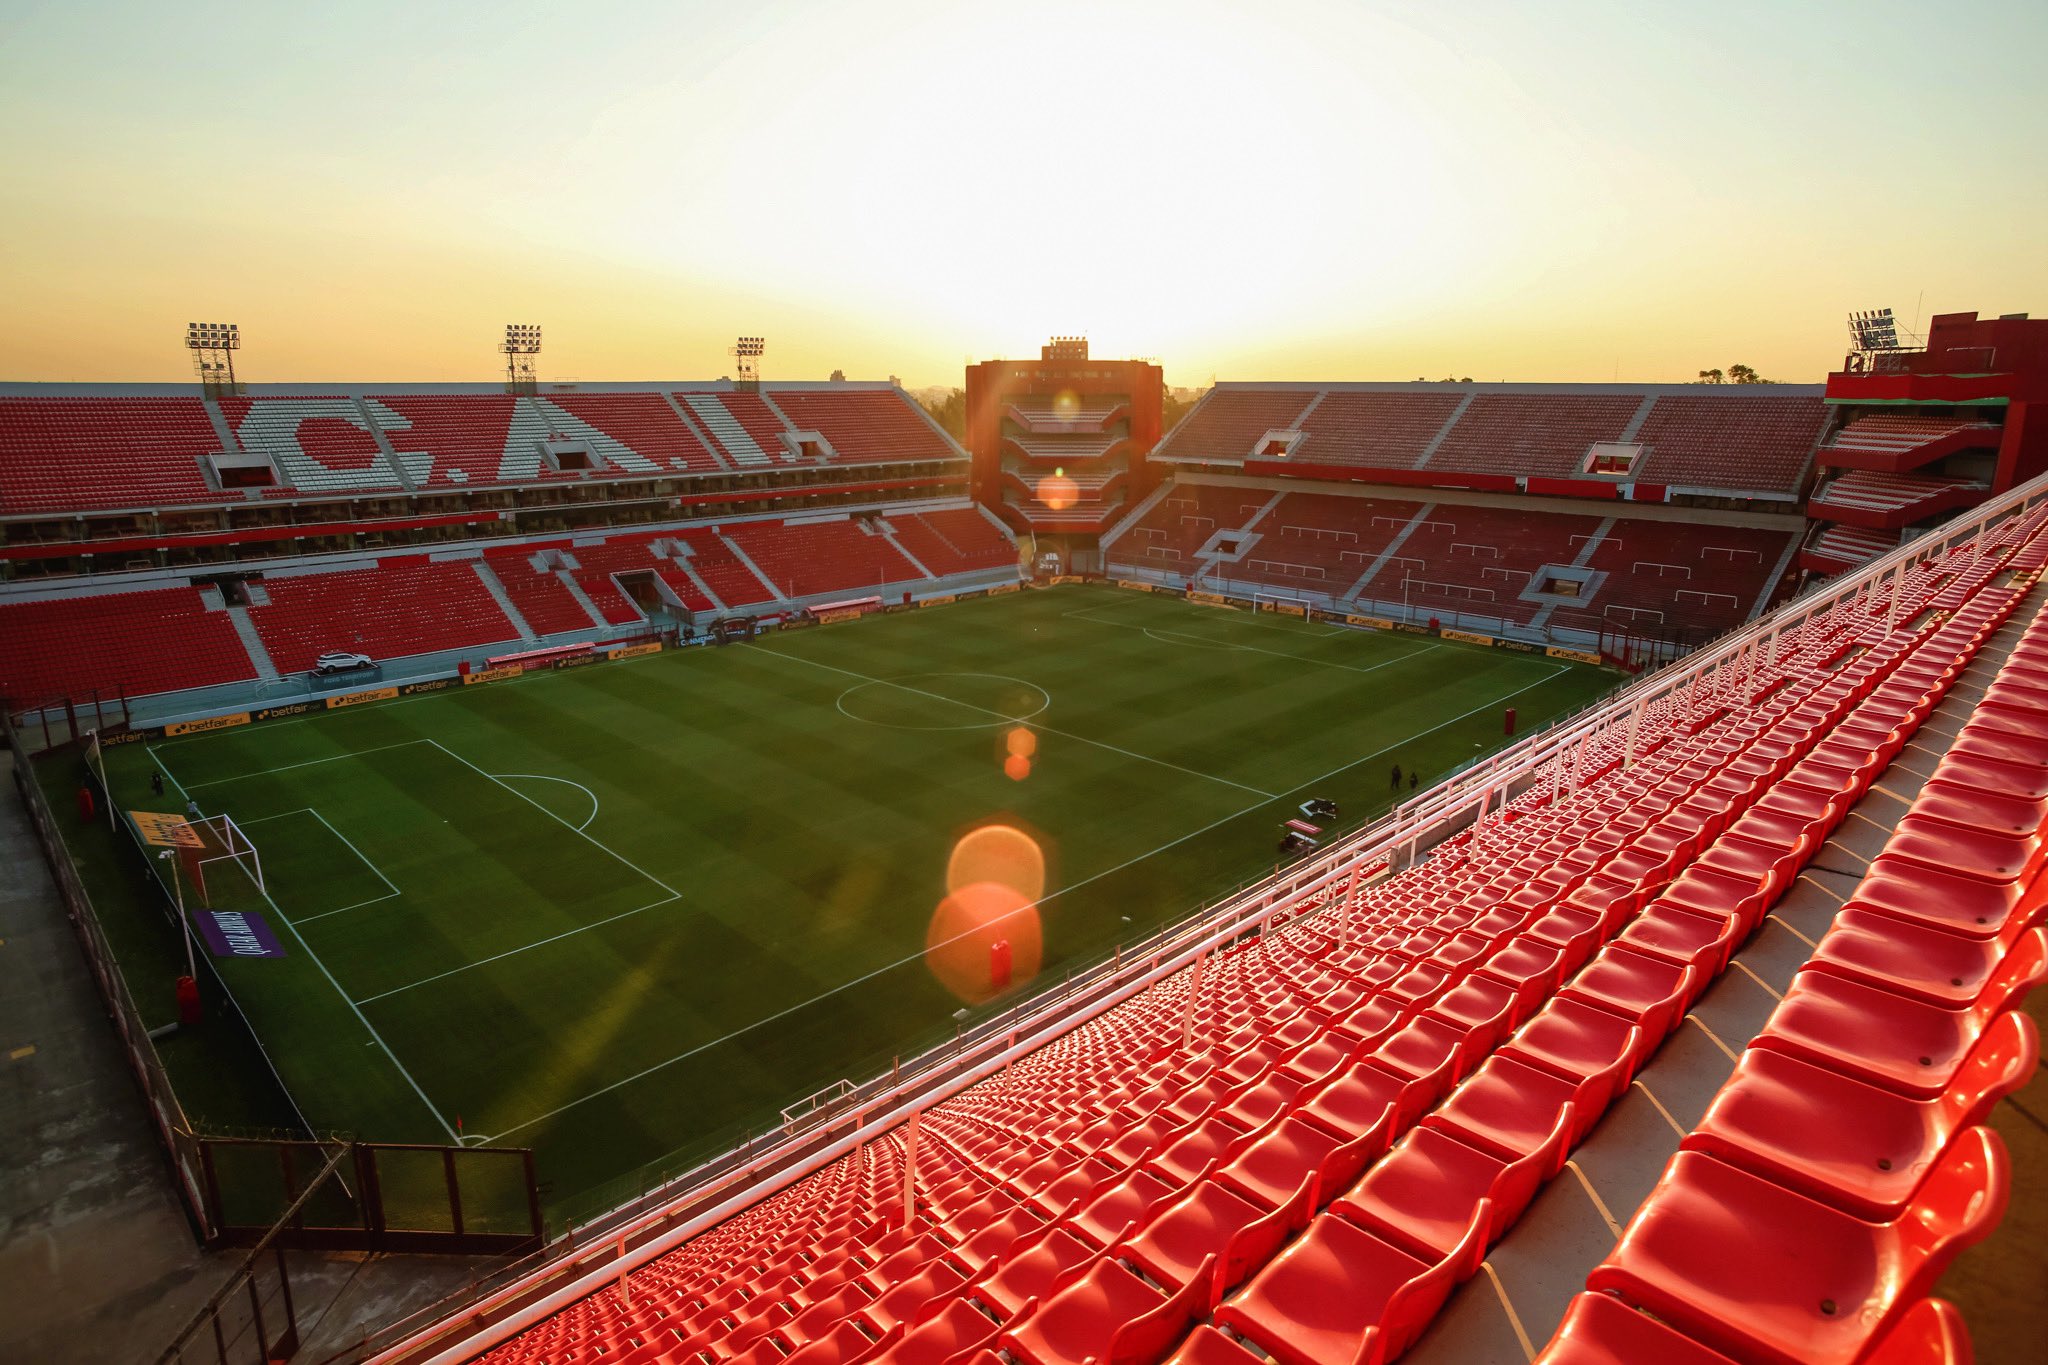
column 532, row 869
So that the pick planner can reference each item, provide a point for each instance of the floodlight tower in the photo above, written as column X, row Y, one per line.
column 520, row 346
column 213, row 346
column 748, row 352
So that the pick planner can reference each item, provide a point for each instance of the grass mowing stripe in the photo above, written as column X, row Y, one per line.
column 368, row 1027
column 1047, row 729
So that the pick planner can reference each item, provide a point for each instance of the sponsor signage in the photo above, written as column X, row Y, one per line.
column 1210, row 599
column 1289, row 609
column 294, row 708
column 939, row 601
column 161, row 830
column 1582, row 656
column 631, row 651
column 193, row 727
column 796, row 623
column 431, row 685
column 1060, row 578
column 237, row 933
column 838, row 614
column 999, row 589
column 484, row 675
column 1411, row 628
column 1376, row 622
column 574, row 661
column 891, row 608
column 358, row 698
column 128, row 737
column 1133, row 586
column 1467, row 636
column 1520, row 646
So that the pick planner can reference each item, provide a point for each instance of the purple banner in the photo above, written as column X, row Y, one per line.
column 237, row 933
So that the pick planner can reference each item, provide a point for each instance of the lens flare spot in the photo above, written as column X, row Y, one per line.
column 1058, row 492
column 1066, row 405
column 1016, row 767
column 983, row 937
column 1021, row 742
column 1001, row 854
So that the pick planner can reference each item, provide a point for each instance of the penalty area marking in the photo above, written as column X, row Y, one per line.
column 361, row 1018
column 391, row 891
column 543, row 777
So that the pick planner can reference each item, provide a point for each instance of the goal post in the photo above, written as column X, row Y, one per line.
column 222, row 840
column 1282, row 604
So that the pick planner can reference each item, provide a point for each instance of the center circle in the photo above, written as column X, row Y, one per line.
column 923, row 701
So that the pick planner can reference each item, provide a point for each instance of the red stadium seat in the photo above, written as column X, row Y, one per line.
column 1819, row 1286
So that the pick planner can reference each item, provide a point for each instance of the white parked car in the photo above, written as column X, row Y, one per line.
column 341, row 661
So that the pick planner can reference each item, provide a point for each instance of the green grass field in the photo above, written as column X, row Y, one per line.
column 625, row 911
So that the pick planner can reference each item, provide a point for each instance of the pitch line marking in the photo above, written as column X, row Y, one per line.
column 288, row 767
column 543, row 777
column 514, row 952
column 1045, row 729
column 362, row 1019
column 588, row 838
column 1258, row 649
column 391, row 893
column 902, row 961
column 1044, row 701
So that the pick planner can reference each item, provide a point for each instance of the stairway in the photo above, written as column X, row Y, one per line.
column 496, row 589
column 238, row 617
column 727, row 430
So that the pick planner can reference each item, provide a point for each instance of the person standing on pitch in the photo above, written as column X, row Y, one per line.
column 1396, row 784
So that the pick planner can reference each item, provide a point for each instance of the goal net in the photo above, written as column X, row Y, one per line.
column 1284, row 605
column 221, row 840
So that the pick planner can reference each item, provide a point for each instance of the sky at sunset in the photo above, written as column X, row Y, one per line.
column 1556, row 191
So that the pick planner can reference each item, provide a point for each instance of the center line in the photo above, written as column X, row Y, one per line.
column 1043, row 729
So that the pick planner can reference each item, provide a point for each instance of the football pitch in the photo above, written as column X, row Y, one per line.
column 623, row 913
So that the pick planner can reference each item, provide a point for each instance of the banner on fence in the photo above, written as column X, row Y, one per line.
column 1289, row 609
column 939, row 601
column 162, row 830
column 430, row 685
column 1519, row 646
column 1211, row 599
column 999, row 589
column 194, row 727
column 838, row 614
column 1582, row 656
column 484, row 675
column 1467, row 636
column 631, row 651
column 1376, row 622
column 358, row 698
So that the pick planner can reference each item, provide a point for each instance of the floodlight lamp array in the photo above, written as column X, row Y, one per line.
column 213, row 336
